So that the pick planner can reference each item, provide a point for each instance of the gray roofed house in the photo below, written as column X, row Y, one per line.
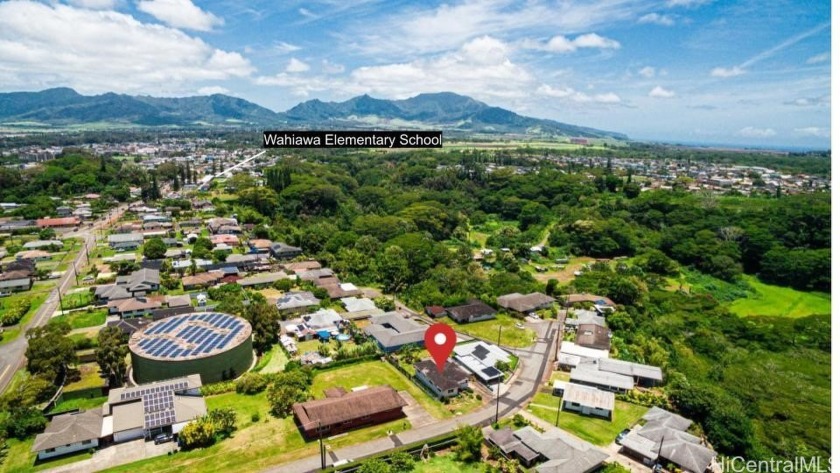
column 316, row 274
column 282, row 251
column 393, row 331
column 474, row 311
column 591, row 376
column 524, row 303
column 296, row 302
column 262, row 279
column 642, row 374
column 15, row 280
column 360, row 308
column 69, row 433
column 130, row 325
column 141, row 282
column 111, row 292
column 445, row 384
column 585, row 317
column 588, row 400
column 38, row 244
column 560, row 451
column 123, row 238
column 664, row 436
column 324, row 319
column 480, row 358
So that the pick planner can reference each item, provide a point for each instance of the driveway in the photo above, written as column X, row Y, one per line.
column 115, row 455
column 417, row 416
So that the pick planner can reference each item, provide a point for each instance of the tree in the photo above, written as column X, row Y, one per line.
column 385, row 303
column 46, row 234
column 224, row 420
column 123, row 267
column 111, row 354
column 49, row 351
column 197, row 434
column 393, row 268
column 155, row 248
column 401, row 462
column 374, row 465
column 263, row 318
column 468, row 447
column 282, row 396
column 551, row 287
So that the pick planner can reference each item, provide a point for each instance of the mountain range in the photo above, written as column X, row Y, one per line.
column 444, row 110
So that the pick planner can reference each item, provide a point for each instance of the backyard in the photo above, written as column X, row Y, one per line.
column 592, row 429
column 82, row 318
column 272, row 361
column 512, row 336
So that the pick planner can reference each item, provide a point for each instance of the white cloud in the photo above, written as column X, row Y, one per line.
column 213, row 89
column 96, row 51
column 753, row 132
column 446, row 27
column 813, row 131
column 296, row 65
column 686, row 3
column 727, row 72
column 331, row 67
column 660, row 92
column 573, row 95
column 180, row 14
column 824, row 57
column 657, row 19
column 285, row 47
column 822, row 101
column 94, row 4
column 647, row 71
column 562, row 44
column 307, row 13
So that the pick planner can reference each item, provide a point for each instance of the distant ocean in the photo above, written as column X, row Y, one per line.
column 742, row 146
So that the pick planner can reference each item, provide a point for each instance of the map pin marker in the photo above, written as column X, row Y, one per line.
column 440, row 340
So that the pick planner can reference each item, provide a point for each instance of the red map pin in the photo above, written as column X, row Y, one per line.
column 440, row 340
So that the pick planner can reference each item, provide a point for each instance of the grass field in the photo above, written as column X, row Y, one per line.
column 563, row 276
column 82, row 319
column 592, row 429
column 88, row 378
column 489, row 329
column 446, row 464
column 272, row 362
column 375, row 373
column 79, row 403
column 780, row 301
column 37, row 299
column 20, row 458
column 254, row 445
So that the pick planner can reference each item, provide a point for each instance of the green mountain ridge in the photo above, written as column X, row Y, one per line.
column 445, row 110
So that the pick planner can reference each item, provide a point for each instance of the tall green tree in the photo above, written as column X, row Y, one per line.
column 264, row 319
column 111, row 353
column 155, row 248
column 49, row 352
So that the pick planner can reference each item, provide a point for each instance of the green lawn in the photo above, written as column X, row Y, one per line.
column 38, row 298
column 83, row 319
column 255, row 445
column 489, row 329
column 79, row 403
column 375, row 373
column 592, row 429
column 780, row 301
column 88, row 377
column 446, row 463
column 272, row 362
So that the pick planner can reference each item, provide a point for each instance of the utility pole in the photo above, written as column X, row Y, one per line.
column 559, row 405
column 499, row 383
column 321, row 447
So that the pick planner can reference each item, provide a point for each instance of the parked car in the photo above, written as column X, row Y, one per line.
column 620, row 437
column 162, row 438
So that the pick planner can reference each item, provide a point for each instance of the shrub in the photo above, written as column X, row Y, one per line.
column 16, row 312
column 218, row 388
column 251, row 383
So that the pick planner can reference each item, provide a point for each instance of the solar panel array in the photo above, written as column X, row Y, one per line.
column 184, row 336
column 158, row 402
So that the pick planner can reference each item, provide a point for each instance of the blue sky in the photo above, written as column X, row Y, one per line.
column 741, row 72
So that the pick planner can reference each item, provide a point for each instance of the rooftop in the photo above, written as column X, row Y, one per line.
column 189, row 336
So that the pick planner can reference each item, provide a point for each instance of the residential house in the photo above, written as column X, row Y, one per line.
column 342, row 411
column 34, row 255
column 599, row 303
column 223, row 225
column 589, row 375
column 133, row 307
column 588, row 400
column 323, row 320
column 283, row 251
column 297, row 302
column 555, row 450
column 63, row 211
column 259, row 245
column 474, row 311
column 62, row 222
column 69, row 433
column 15, row 281
column 226, row 239
column 43, row 244
column 110, row 292
column 262, row 279
column 360, row 308
column 314, row 275
column 583, row 317
column 444, row 384
column 663, row 439
column 571, row 355
column 174, row 402
column 524, row 304
column 593, row 336
column 140, row 282
column 435, row 311
column 125, row 241
column 202, row 280
column 130, row 325
column 340, row 290
column 480, row 358
column 392, row 331
column 301, row 266
column 643, row 375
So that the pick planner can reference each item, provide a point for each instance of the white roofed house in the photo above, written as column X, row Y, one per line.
column 588, row 400
column 480, row 358
column 68, row 433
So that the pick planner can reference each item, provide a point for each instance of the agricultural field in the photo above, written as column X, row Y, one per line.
column 777, row 301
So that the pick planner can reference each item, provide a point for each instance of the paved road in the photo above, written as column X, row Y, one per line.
column 521, row 388
column 12, row 353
